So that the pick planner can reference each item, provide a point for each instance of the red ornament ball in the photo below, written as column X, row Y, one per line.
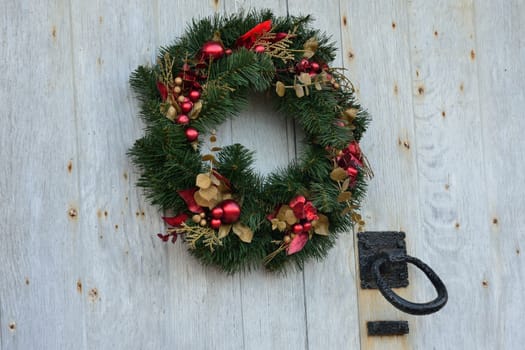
column 195, row 95
column 298, row 228
column 228, row 51
column 192, row 134
column 186, row 106
column 215, row 223
column 183, row 119
column 217, row 212
column 259, row 49
column 231, row 211
column 307, row 226
column 315, row 67
column 213, row 50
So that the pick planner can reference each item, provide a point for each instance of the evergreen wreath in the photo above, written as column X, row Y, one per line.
column 229, row 215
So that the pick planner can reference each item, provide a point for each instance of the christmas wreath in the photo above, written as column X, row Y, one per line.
column 229, row 215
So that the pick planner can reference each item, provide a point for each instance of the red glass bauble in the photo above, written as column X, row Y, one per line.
column 192, row 134
column 183, row 119
column 307, row 226
column 315, row 67
column 297, row 228
column 231, row 211
column 195, row 95
column 212, row 49
column 217, row 212
column 186, row 106
column 215, row 223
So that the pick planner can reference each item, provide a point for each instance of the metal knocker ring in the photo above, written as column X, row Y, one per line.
column 401, row 303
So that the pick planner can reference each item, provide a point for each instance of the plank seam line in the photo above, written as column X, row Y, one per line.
column 414, row 141
column 356, row 260
column 77, row 144
column 242, row 314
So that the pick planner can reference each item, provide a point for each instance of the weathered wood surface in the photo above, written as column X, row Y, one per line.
column 81, row 268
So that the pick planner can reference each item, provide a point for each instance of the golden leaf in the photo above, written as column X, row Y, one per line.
column 321, row 225
column 305, row 78
column 307, row 90
column 338, row 174
column 208, row 157
column 299, row 91
column 216, row 149
column 213, row 138
column 310, row 47
column 200, row 200
column 344, row 196
column 351, row 113
column 286, row 214
column 308, row 54
column 196, row 110
column 318, row 85
column 346, row 184
column 209, row 194
column 203, row 181
column 278, row 225
column 244, row 232
column 224, row 230
column 280, row 89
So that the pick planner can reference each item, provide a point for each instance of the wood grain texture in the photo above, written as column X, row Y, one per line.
column 38, row 180
column 376, row 52
column 454, row 233
column 330, row 286
column 499, row 56
column 272, row 305
column 81, row 267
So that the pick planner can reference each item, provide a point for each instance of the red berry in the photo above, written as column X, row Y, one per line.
column 307, row 226
column 186, row 106
column 298, row 228
column 195, row 95
column 183, row 119
column 217, row 212
column 215, row 223
column 192, row 134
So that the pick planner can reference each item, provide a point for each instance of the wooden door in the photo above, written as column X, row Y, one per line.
column 81, row 267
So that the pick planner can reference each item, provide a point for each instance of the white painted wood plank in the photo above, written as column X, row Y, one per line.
column 201, row 299
column 332, row 305
column 499, row 37
column 454, row 238
column 376, row 51
column 40, row 242
column 125, row 282
column 272, row 305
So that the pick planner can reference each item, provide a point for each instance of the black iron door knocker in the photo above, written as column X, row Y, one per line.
column 383, row 265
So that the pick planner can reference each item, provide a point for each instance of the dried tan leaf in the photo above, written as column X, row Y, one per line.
column 346, row 184
column 200, row 200
column 286, row 214
column 321, row 225
column 311, row 45
column 210, row 193
column 318, row 85
column 305, row 78
column 351, row 113
column 203, row 181
column 196, row 110
column 216, row 149
column 278, row 225
column 280, row 89
column 224, row 230
column 244, row 232
column 344, row 196
column 213, row 138
column 338, row 174
column 208, row 157
column 299, row 91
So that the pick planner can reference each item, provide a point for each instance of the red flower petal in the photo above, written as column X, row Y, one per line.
column 248, row 39
column 297, row 205
column 297, row 243
column 163, row 90
column 187, row 195
column 175, row 220
column 310, row 212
